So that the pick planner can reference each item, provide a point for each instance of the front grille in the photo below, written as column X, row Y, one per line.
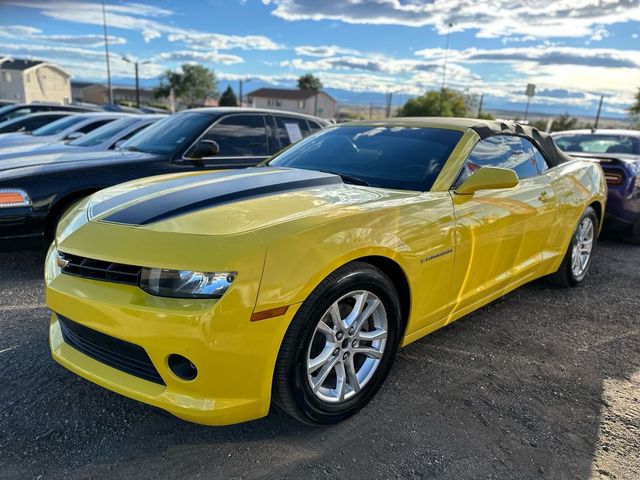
column 99, row 269
column 116, row 353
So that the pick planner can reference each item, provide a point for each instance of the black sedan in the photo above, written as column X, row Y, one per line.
column 35, row 192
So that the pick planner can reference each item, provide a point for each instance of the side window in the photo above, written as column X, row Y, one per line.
column 314, row 127
column 240, row 136
column 541, row 162
column 289, row 130
column 504, row 151
column 89, row 127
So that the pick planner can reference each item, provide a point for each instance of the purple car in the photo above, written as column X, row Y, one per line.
column 618, row 151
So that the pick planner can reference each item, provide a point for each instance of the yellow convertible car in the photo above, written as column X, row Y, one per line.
column 214, row 294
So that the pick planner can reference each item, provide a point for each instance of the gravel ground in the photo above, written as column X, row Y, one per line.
column 544, row 383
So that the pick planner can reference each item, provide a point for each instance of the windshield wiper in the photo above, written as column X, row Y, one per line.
column 349, row 179
column 132, row 149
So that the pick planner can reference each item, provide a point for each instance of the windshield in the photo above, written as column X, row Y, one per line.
column 592, row 143
column 7, row 108
column 405, row 158
column 171, row 135
column 104, row 133
column 57, row 126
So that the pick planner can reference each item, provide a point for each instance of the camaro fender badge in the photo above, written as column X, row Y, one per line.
column 436, row 255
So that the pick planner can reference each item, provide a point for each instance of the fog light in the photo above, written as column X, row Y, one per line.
column 182, row 367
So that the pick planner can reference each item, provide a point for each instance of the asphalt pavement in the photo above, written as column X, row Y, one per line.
column 543, row 383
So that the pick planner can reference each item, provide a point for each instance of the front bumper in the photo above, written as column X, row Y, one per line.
column 20, row 229
column 235, row 357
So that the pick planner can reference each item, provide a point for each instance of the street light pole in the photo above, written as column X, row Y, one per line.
column 135, row 64
column 106, row 50
column 241, row 82
column 444, row 68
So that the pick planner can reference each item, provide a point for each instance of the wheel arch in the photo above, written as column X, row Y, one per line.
column 598, row 207
column 398, row 277
column 60, row 204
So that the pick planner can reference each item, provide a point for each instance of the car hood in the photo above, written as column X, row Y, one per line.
column 30, row 164
column 36, row 149
column 234, row 201
column 8, row 140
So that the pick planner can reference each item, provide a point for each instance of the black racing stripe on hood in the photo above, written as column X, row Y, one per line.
column 110, row 203
column 251, row 185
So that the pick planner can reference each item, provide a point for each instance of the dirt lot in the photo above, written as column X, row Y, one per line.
column 544, row 383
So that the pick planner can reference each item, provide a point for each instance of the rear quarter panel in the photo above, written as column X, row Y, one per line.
column 577, row 185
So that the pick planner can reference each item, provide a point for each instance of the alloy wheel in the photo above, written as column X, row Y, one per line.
column 582, row 247
column 347, row 346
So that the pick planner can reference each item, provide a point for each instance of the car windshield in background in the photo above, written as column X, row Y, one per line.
column 404, row 158
column 57, row 126
column 171, row 135
column 590, row 143
column 104, row 133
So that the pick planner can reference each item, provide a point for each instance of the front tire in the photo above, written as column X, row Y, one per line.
column 339, row 347
column 577, row 261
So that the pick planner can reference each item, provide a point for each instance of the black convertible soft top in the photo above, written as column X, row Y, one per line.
column 543, row 140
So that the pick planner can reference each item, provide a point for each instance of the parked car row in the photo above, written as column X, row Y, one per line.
column 52, row 177
column 618, row 151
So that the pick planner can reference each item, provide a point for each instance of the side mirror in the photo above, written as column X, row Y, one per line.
column 488, row 178
column 74, row 135
column 204, row 149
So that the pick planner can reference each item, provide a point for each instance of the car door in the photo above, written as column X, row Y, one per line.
column 242, row 139
column 501, row 234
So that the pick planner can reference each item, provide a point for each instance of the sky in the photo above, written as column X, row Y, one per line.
column 572, row 50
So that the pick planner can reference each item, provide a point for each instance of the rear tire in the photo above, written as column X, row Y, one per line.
column 339, row 347
column 577, row 261
column 635, row 232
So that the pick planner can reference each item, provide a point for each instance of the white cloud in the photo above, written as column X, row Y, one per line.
column 218, row 41
column 144, row 19
column 537, row 19
column 542, row 55
column 324, row 51
column 30, row 33
column 200, row 57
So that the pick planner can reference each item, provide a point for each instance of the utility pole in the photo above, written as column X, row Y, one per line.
column 137, row 78
column 371, row 111
column 106, row 50
column 388, row 104
column 480, row 105
column 595, row 125
column 444, row 68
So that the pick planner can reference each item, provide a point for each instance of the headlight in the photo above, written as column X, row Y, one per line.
column 13, row 197
column 185, row 283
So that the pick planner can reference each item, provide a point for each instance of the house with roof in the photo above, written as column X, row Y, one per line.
column 98, row 93
column 310, row 102
column 27, row 81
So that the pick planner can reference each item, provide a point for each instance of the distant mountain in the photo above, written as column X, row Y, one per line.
column 491, row 103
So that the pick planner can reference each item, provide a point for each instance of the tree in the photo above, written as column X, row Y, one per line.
column 228, row 98
column 635, row 108
column 564, row 122
column 442, row 103
column 192, row 83
column 309, row 82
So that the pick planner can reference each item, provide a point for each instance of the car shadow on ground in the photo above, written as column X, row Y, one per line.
column 522, row 388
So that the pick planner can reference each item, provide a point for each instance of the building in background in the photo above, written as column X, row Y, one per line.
column 310, row 102
column 92, row 92
column 27, row 81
